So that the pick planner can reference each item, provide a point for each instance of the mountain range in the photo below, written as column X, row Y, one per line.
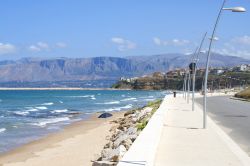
column 102, row 68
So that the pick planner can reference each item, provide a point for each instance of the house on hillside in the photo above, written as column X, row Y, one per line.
column 242, row 68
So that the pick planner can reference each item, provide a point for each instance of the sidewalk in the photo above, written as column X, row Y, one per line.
column 185, row 143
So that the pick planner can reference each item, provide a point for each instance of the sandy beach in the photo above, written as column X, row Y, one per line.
column 75, row 145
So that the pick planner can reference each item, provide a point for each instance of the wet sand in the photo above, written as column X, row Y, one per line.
column 77, row 144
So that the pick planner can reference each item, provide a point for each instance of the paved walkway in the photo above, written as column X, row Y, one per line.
column 185, row 143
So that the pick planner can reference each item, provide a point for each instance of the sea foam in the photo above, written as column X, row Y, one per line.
column 59, row 111
column 50, row 121
column 30, row 109
column 129, row 99
column 23, row 113
column 118, row 108
column 2, row 130
column 110, row 102
column 47, row 103
column 42, row 108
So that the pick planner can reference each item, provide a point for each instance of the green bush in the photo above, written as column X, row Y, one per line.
column 141, row 126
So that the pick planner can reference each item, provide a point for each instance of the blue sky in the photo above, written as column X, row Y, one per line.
column 81, row 28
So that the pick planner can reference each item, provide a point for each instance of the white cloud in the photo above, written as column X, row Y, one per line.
column 61, row 45
column 43, row 45
column 245, row 40
column 7, row 48
column 238, row 46
column 177, row 42
column 34, row 48
column 173, row 42
column 157, row 41
column 123, row 44
column 40, row 46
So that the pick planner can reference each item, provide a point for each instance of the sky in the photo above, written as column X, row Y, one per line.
column 120, row 28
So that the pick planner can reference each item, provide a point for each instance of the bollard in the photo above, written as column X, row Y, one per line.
column 174, row 94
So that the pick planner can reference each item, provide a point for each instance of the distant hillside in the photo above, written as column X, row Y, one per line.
column 100, row 68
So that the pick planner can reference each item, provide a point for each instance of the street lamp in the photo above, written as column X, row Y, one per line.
column 195, row 60
column 185, row 85
column 234, row 9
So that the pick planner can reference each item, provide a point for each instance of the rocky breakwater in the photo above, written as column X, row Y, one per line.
column 124, row 132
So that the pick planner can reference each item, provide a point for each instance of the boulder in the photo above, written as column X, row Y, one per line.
column 108, row 145
column 145, row 112
column 119, row 139
column 127, row 143
column 104, row 163
column 106, row 152
column 129, row 112
column 115, row 154
column 133, row 137
column 131, row 131
column 113, row 128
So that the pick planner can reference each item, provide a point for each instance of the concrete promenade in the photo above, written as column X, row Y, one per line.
column 182, row 140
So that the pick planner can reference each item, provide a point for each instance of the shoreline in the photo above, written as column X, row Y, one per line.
column 76, row 144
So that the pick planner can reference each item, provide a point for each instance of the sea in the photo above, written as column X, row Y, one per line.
column 28, row 115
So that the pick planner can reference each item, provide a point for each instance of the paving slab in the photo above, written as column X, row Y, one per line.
column 184, row 142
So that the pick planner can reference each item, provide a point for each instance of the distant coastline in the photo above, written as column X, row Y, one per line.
column 2, row 88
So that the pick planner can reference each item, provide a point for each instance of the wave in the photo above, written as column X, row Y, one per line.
column 129, row 99
column 118, row 108
column 127, row 106
column 2, row 130
column 42, row 108
column 84, row 96
column 59, row 111
column 93, row 98
column 30, row 109
column 149, row 99
column 51, row 103
column 23, row 113
column 50, row 121
column 60, row 102
column 111, row 102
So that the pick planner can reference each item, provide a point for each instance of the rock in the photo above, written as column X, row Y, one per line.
column 133, row 137
column 121, row 128
column 115, row 135
column 105, row 115
column 115, row 154
column 105, row 152
column 119, row 139
column 127, row 143
column 108, row 145
column 104, row 163
column 131, row 131
column 114, row 121
column 145, row 112
column 129, row 112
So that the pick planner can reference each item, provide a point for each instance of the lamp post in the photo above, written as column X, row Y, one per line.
column 185, row 85
column 195, row 60
column 189, row 75
column 234, row 9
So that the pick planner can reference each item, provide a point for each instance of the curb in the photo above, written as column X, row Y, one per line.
column 142, row 151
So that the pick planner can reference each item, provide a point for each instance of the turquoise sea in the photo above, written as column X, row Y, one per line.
column 27, row 115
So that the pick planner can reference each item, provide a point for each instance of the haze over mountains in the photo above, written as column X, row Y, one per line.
column 101, row 68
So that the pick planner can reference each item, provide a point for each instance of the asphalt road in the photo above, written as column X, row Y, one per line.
column 233, row 116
